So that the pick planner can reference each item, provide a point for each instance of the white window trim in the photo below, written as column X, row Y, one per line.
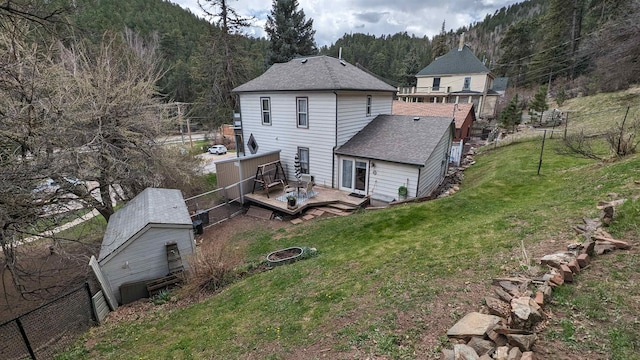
column 263, row 111
column 308, row 163
column 298, row 112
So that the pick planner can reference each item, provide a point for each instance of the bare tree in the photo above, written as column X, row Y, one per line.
column 76, row 123
column 43, row 13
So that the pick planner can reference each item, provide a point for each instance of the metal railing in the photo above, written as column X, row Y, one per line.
column 216, row 206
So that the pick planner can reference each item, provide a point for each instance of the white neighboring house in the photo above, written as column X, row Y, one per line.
column 313, row 106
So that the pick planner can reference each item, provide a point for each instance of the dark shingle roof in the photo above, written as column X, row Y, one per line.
column 152, row 206
column 500, row 84
column 316, row 73
column 455, row 62
column 397, row 138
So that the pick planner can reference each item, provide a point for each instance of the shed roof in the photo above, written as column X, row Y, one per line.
column 151, row 206
column 431, row 109
column 455, row 62
column 314, row 73
column 398, row 138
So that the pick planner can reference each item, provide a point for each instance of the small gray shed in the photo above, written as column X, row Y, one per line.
column 144, row 237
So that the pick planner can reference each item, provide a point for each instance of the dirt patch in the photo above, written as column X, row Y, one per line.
column 43, row 275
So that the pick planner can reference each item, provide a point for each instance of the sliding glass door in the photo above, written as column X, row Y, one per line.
column 354, row 176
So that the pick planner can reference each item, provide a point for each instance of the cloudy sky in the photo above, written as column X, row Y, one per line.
column 334, row 18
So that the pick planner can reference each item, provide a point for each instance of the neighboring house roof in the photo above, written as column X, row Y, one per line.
column 152, row 206
column 314, row 73
column 430, row 109
column 397, row 138
column 500, row 84
column 455, row 62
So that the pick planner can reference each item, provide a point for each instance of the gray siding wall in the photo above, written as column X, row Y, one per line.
column 432, row 174
column 146, row 257
column 352, row 116
column 283, row 134
column 389, row 177
column 352, row 112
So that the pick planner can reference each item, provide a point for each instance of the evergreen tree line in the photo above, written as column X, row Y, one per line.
column 532, row 43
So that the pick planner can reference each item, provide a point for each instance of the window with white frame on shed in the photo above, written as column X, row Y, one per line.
column 302, row 112
column 303, row 154
column 265, row 104
column 369, row 101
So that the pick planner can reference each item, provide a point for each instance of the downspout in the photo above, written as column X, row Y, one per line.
column 418, row 181
column 335, row 146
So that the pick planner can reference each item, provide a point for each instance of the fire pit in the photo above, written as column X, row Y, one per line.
column 284, row 256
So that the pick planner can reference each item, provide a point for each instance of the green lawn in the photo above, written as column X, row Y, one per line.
column 379, row 282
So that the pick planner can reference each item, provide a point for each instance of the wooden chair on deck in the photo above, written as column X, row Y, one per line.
column 308, row 190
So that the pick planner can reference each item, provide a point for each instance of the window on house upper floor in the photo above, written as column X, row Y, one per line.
column 369, row 101
column 302, row 112
column 265, row 104
column 436, row 84
column 467, row 83
column 303, row 154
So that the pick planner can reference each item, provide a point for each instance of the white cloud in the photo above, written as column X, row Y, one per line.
column 332, row 19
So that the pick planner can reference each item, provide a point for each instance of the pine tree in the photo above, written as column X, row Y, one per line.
column 289, row 32
column 511, row 115
column 556, row 55
column 224, row 60
column 516, row 47
column 539, row 102
column 439, row 43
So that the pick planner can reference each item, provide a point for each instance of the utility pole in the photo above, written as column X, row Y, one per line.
column 188, row 126
column 180, row 123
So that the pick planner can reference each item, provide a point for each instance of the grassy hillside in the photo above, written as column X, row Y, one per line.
column 601, row 112
column 389, row 283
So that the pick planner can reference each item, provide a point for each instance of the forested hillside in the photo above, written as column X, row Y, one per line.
column 581, row 45
column 185, row 41
column 588, row 45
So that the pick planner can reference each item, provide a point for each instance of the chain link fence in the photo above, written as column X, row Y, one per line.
column 49, row 329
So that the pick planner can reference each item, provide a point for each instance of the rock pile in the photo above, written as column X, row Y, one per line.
column 451, row 182
column 507, row 325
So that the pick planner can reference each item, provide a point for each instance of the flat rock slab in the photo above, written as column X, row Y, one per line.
column 316, row 212
column 259, row 213
column 557, row 259
column 464, row 352
column 473, row 324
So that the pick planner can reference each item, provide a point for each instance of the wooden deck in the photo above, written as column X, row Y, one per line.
column 324, row 196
